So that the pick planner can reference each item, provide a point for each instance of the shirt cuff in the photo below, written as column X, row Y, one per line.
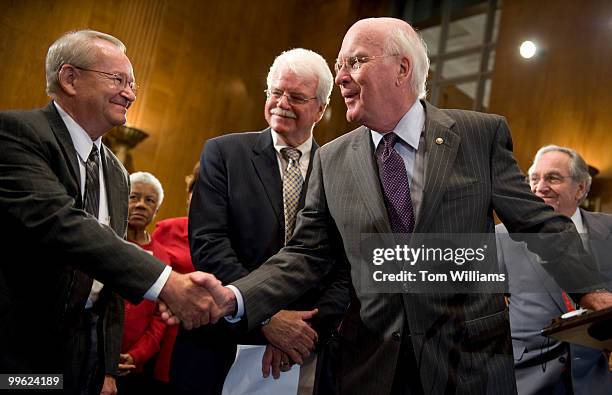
column 239, row 306
column 157, row 286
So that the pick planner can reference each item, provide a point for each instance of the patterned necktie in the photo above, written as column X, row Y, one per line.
column 396, row 189
column 292, row 187
column 92, row 182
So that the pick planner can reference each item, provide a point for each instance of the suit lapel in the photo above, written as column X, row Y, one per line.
column 599, row 233
column 65, row 141
column 314, row 148
column 266, row 166
column 365, row 177
column 439, row 159
column 116, row 196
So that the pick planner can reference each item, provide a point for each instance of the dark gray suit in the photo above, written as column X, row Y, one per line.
column 461, row 341
column 57, row 249
column 535, row 300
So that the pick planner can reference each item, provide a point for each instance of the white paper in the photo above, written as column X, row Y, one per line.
column 245, row 376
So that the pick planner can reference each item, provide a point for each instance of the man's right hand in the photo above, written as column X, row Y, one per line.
column 191, row 302
column 290, row 331
column 195, row 300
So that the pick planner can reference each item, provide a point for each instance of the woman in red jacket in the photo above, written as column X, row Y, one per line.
column 143, row 327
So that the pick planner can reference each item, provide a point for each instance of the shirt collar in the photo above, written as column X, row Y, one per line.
column 577, row 220
column 81, row 140
column 409, row 128
column 304, row 148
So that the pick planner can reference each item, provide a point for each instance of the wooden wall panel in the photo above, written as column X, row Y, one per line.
column 563, row 96
column 201, row 65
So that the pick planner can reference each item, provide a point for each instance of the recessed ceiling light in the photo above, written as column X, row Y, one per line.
column 528, row 49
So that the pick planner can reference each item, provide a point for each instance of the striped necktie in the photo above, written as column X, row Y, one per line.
column 92, row 182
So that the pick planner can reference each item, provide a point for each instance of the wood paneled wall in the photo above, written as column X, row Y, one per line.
column 564, row 95
column 201, row 65
column 202, row 68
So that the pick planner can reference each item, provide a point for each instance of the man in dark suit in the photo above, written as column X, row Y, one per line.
column 410, row 168
column 543, row 365
column 243, row 211
column 63, row 203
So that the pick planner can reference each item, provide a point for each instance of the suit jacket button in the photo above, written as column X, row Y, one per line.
column 396, row 336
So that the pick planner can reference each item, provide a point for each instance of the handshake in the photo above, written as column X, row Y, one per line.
column 195, row 299
column 198, row 298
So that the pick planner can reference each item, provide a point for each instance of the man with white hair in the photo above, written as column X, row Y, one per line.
column 243, row 211
column 63, row 207
column 559, row 176
column 411, row 168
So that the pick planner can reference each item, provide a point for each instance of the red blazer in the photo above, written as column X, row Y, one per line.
column 172, row 235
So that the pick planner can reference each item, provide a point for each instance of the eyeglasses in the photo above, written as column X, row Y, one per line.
column 121, row 81
column 354, row 63
column 293, row 99
column 550, row 179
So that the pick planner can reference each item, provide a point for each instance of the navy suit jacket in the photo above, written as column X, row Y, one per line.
column 236, row 222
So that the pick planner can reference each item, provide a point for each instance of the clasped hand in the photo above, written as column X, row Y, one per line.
column 195, row 299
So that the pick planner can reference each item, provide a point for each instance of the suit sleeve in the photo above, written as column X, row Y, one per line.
column 113, row 333
column 300, row 265
column 209, row 231
column 335, row 296
column 550, row 235
column 32, row 195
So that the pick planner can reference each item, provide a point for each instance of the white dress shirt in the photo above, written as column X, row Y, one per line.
column 83, row 145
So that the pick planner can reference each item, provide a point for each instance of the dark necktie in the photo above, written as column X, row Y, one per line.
column 292, row 188
column 396, row 189
column 92, row 182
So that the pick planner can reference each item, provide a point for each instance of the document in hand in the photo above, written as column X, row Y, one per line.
column 245, row 376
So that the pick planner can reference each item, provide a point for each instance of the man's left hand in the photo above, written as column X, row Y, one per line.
column 109, row 387
column 596, row 300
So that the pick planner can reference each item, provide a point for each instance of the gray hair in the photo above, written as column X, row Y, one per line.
column 144, row 177
column 578, row 169
column 77, row 48
column 410, row 44
column 305, row 62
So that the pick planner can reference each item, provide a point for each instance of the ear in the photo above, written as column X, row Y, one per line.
column 405, row 70
column 321, row 111
column 580, row 191
column 66, row 79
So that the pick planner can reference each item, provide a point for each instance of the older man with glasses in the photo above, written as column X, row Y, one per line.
column 543, row 365
column 410, row 168
column 250, row 188
column 63, row 207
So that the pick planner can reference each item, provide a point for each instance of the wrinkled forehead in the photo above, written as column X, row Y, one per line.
column 551, row 162
column 286, row 76
column 362, row 40
column 110, row 56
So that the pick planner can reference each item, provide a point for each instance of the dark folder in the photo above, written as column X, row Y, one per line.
column 592, row 329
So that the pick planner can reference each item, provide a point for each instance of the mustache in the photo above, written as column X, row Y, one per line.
column 283, row 113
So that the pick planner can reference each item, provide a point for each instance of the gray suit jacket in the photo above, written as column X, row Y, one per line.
column 59, row 249
column 535, row 300
column 461, row 341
